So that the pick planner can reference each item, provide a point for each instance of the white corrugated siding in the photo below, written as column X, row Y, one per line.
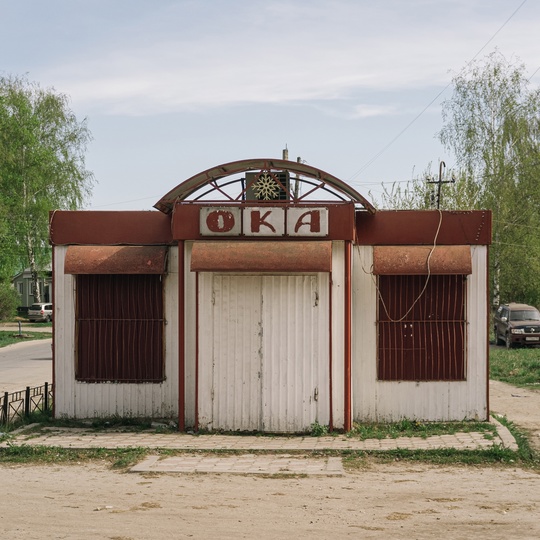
column 85, row 400
column 263, row 352
column 375, row 400
column 237, row 352
column 295, row 345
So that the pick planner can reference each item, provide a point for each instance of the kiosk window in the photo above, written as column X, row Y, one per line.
column 119, row 328
column 421, row 327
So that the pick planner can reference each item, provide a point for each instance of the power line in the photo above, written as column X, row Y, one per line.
column 125, row 202
column 392, row 141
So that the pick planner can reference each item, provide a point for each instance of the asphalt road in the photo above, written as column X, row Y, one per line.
column 25, row 364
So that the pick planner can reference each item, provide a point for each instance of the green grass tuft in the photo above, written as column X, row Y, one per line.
column 413, row 428
column 519, row 367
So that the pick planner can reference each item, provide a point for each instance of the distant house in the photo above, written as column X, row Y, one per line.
column 22, row 283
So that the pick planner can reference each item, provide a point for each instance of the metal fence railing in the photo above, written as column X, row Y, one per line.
column 19, row 405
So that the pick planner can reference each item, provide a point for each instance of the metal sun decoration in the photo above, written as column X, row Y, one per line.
column 266, row 188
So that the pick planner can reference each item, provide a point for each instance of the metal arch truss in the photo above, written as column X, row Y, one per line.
column 266, row 180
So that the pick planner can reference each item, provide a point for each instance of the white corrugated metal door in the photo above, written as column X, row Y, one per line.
column 236, row 362
column 270, row 352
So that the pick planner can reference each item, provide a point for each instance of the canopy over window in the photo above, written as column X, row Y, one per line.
column 116, row 260
column 416, row 260
column 233, row 256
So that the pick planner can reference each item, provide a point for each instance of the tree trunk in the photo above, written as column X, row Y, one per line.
column 36, row 291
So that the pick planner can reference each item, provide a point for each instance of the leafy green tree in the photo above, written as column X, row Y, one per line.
column 491, row 125
column 419, row 194
column 42, row 168
column 9, row 300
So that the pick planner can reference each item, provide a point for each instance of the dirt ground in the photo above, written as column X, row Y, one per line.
column 400, row 500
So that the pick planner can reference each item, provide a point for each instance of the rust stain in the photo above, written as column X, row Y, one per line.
column 265, row 256
column 418, row 227
column 115, row 260
column 416, row 260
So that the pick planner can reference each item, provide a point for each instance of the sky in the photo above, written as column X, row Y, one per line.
column 170, row 88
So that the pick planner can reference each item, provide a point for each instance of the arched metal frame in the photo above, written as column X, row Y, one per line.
column 317, row 179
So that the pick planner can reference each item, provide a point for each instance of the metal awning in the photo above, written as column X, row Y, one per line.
column 116, row 260
column 413, row 260
column 266, row 256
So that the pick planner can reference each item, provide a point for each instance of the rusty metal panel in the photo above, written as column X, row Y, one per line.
column 116, row 260
column 417, row 227
column 109, row 227
column 119, row 328
column 265, row 256
column 421, row 328
column 401, row 260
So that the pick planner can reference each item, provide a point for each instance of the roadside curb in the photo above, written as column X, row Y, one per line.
column 507, row 439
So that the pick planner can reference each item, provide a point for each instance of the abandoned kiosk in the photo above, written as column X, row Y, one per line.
column 269, row 295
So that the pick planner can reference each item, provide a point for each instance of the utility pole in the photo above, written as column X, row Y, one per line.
column 440, row 182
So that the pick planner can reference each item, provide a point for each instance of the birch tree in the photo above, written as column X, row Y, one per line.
column 491, row 126
column 42, row 168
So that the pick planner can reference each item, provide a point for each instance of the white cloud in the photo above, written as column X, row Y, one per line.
column 368, row 111
column 272, row 52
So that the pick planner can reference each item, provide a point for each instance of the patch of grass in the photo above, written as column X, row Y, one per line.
column 318, row 430
column 119, row 458
column 443, row 456
column 413, row 428
column 519, row 367
column 8, row 338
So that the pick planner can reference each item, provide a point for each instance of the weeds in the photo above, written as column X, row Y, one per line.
column 318, row 430
column 443, row 456
column 519, row 367
column 118, row 458
column 413, row 428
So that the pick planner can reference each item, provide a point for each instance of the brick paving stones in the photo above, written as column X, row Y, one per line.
column 253, row 454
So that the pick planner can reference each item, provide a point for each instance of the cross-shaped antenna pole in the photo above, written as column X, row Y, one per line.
column 440, row 182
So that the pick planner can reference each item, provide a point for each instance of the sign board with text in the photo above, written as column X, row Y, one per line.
column 198, row 221
column 264, row 221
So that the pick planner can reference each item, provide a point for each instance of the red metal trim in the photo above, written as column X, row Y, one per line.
column 196, row 426
column 348, row 327
column 331, row 401
column 181, row 341
column 53, row 332
column 488, row 322
column 189, row 186
column 265, row 256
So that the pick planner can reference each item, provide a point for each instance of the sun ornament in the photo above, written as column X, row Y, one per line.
column 266, row 188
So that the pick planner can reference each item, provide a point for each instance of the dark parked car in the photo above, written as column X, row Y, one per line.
column 40, row 312
column 517, row 324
